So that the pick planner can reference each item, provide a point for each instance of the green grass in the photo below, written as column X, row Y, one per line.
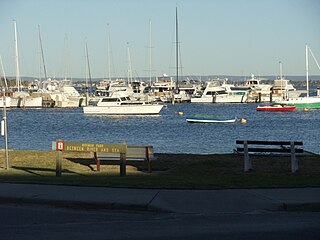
column 169, row 171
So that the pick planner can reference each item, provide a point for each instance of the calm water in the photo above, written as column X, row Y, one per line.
column 168, row 132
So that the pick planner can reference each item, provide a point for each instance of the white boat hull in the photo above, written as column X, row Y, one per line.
column 152, row 109
column 8, row 102
column 202, row 100
column 26, row 102
column 225, row 98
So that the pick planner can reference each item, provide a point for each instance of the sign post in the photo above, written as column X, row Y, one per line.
column 4, row 131
column 59, row 148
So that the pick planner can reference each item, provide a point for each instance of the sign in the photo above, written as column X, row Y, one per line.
column 60, row 146
column 90, row 147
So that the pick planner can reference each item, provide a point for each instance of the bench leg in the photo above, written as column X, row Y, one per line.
column 148, row 160
column 122, row 164
column 247, row 160
column 97, row 161
column 294, row 160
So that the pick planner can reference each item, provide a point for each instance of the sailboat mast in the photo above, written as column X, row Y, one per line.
column 281, row 81
column 307, row 70
column 88, row 63
column 4, row 75
column 42, row 54
column 18, row 80
column 129, row 65
column 150, row 53
column 66, row 66
column 177, row 52
column 109, row 57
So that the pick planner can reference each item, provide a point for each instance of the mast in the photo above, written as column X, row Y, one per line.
column 109, row 57
column 307, row 70
column 129, row 65
column 88, row 66
column 18, row 80
column 280, row 66
column 150, row 53
column 66, row 58
column 42, row 54
column 177, row 53
column 4, row 75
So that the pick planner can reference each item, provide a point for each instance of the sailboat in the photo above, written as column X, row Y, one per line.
column 305, row 102
column 20, row 98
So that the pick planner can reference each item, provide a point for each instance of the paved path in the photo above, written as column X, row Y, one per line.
column 179, row 201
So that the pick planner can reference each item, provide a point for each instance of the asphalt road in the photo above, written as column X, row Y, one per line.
column 41, row 222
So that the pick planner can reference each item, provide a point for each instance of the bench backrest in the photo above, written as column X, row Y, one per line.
column 278, row 146
column 134, row 153
column 269, row 142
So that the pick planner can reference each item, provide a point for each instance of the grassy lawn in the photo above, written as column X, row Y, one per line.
column 169, row 171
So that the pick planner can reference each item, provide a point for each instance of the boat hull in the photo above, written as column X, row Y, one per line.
column 271, row 108
column 123, row 110
column 26, row 102
column 304, row 102
column 225, row 98
column 198, row 120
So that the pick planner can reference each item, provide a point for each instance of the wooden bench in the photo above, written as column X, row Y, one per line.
column 134, row 153
column 279, row 147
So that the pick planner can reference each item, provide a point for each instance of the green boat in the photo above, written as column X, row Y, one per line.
column 303, row 102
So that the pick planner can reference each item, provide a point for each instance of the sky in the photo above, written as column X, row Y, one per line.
column 216, row 37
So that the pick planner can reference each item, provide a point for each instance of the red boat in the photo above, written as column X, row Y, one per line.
column 276, row 107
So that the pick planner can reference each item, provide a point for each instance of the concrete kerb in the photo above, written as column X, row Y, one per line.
column 78, row 197
column 162, row 201
column 82, row 205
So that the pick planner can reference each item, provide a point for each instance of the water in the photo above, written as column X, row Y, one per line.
column 168, row 133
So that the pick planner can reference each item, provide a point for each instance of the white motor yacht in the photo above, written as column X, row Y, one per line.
column 122, row 106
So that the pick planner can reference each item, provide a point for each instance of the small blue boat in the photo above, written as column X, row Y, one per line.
column 211, row 120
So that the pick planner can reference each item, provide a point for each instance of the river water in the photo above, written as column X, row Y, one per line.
column 168, row 132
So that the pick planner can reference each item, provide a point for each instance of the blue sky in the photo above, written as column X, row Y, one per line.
column 232, row 37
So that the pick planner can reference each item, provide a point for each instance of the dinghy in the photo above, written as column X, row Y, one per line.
column 211, row 120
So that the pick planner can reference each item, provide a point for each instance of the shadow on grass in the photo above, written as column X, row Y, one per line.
column 88, row 162
column 34, row 171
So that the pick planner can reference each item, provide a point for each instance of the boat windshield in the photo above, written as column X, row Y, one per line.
column 110, row 100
